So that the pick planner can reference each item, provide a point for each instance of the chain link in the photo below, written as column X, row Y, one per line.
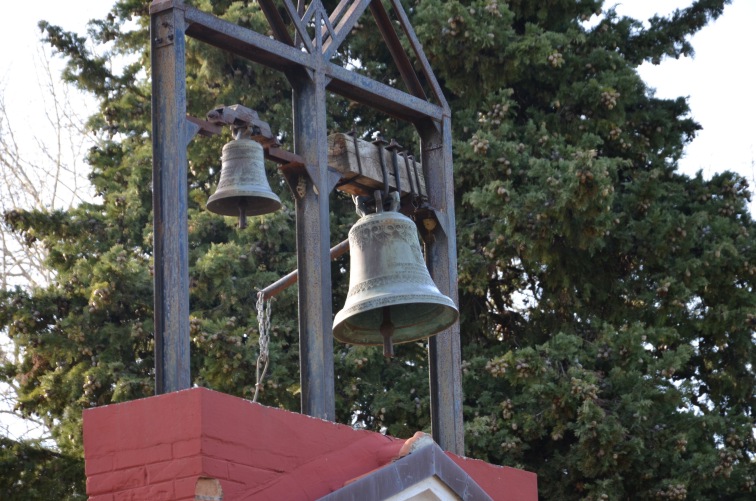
column 263, row 322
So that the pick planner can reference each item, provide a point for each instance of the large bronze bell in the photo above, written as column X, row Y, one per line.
column 243, row 189
column 392, row 298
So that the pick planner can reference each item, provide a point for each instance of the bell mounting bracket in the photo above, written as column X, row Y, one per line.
column 240, row 119
column 243, row 120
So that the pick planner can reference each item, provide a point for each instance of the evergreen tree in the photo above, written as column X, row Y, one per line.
column 607, row 300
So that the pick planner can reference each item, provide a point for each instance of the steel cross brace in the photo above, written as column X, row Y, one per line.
column 305, row 60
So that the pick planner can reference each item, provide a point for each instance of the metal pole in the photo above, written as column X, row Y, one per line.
column 171, row 247
column 290, row 279
column 313, row 245
column 444, row 350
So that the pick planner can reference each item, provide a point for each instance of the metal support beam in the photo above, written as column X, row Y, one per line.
column 290, row 279
column 170, row 134
column 261, row 49
column 313, row 246
column 444, row 350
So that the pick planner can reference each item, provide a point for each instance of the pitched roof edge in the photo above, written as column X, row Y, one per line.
column 422, row 463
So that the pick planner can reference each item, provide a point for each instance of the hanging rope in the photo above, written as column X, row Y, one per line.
column 263, row 322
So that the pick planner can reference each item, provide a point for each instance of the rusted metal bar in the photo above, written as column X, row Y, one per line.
column 338, row 11
column 381, row 97
column 301, row 38
column 444, row 349
column 345, row 25
column 290, row 279
column 417, row 48
column 256, row 47
column 205, row 128
column 406, row 70
column 394, row 147
column 276, row 22
column 244, row 42
column 283, row 157
column 328, row 31
column 313, row 252
column 170, row 225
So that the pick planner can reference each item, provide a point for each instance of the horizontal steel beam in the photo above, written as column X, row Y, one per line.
column 291, row 278
column 278, row 55
column 244, row 42
column 380, row 96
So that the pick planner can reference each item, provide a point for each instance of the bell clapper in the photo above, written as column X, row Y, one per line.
column 242, row 215
column 387, row 330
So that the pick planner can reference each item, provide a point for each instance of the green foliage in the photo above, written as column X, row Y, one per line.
column 32, row 472
column 607, row 301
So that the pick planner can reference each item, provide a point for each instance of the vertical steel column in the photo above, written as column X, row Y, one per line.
column 313, row 246
column 171, row 247
column 444, row 350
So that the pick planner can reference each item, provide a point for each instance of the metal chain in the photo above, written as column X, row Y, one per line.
column 263, row 322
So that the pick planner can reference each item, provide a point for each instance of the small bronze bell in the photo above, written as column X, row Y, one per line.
column 243, row 189
column 392, row 298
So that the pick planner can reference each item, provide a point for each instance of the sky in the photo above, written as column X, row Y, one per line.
column 19, row 37
column 719, row 81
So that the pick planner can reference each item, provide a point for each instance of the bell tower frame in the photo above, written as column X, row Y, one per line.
column 305, row 61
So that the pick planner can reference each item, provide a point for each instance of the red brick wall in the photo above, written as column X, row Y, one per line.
column 156, row 448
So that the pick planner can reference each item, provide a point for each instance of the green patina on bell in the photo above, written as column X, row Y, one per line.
column 392, row 298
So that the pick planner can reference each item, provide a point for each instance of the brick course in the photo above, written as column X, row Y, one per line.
column 157, row 448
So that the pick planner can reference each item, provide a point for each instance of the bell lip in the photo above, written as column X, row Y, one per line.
column 448, row 307
column 222, row 206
